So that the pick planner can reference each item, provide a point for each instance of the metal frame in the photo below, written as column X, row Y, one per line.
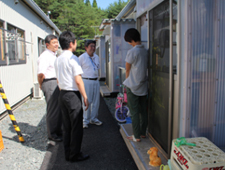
column 151, row 7
column 17, row 61
column 171, row 131
column 176, row 116
column 170, row 79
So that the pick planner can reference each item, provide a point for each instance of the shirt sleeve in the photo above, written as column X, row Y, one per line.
column 77, row 70
column 56, row 67
column 130, row 58
column 42, row 65
column 80, row 60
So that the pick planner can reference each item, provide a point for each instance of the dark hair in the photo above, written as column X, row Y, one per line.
column 88, row 42
column 50, row 37
column 65, row 39
column 132, row 34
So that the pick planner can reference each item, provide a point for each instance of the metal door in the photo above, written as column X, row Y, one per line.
column 161, row 69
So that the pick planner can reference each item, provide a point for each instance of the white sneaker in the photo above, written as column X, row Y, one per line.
column 85, row 126
column 98, row 122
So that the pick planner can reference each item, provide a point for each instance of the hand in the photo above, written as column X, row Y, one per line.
column 86, row 103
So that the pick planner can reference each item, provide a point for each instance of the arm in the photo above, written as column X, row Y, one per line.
column 58, row 84
column 80, row 85
column 41, row 77
column 128, row 67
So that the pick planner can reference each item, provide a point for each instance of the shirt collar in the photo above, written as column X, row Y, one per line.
column 90, row 56
column 139, row 46
column 67, row 51
column 53, row 53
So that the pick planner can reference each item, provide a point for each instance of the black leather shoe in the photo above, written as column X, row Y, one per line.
column 80, row 157
column 56, row 139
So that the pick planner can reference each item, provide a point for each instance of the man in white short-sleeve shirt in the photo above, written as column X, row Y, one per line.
column 89, row 62
column 68, row 73
column 48, row 84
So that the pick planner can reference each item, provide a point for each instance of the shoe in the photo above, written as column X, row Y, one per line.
column 80, row 157
column 98, row 122
column 85, row 126
column 56, row 139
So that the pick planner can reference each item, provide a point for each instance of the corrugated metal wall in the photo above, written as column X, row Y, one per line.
column 102, row 57
column 205, row 29
column 219, row 117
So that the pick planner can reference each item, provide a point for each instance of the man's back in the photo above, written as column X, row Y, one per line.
column 67, row 67
column 137, row 80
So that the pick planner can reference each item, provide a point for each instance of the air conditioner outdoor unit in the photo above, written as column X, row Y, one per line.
column 37, row 92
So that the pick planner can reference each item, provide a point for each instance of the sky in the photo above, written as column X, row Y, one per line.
column 104, row 3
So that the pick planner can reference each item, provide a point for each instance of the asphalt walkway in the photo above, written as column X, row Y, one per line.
column 103, row 143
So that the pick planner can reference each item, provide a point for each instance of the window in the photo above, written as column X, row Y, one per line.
column 15, row 43
column 41, row 46
column 2, row 44
column 21, row 45
column 1, row 24
column 11, row 43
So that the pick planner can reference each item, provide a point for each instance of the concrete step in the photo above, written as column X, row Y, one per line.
column 139, row 150
column 104, row 91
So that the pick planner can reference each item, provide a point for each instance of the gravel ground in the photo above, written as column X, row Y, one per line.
column 30, row 117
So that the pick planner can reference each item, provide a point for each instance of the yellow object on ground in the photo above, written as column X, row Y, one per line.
column 1, row 142
column 7, row 106
column 164, row 167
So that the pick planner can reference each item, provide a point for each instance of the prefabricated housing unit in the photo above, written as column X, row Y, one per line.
column 23, row 28
column 116, row 49
column 186, row 46
column 100, row 51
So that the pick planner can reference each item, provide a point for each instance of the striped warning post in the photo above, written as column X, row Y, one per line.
column 15, row 125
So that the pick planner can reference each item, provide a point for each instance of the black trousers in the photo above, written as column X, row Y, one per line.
column 54, row 115
column 72, row 114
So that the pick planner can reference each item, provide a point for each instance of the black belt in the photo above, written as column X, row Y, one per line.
column 45, row 80
column 90, row 78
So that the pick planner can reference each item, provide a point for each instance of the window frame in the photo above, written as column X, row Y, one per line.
column 3, row 45
column 41, row 44
column 17, row 59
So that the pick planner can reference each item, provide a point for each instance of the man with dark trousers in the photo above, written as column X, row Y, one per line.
column 68, row 72
column 48, row 84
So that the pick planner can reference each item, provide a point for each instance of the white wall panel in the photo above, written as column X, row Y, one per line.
column 18, row 79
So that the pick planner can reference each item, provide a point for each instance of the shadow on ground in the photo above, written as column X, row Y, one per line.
column 34, row 136
column 104, row 144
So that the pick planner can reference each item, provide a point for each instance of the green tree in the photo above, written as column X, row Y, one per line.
column 44, row 4
column 76, row 16
column 114, row 8
column 87, row 2
column 94, row 4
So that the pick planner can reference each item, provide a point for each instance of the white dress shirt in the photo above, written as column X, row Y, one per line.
column 67, row 67
column 46, row 64
column 90, row 65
